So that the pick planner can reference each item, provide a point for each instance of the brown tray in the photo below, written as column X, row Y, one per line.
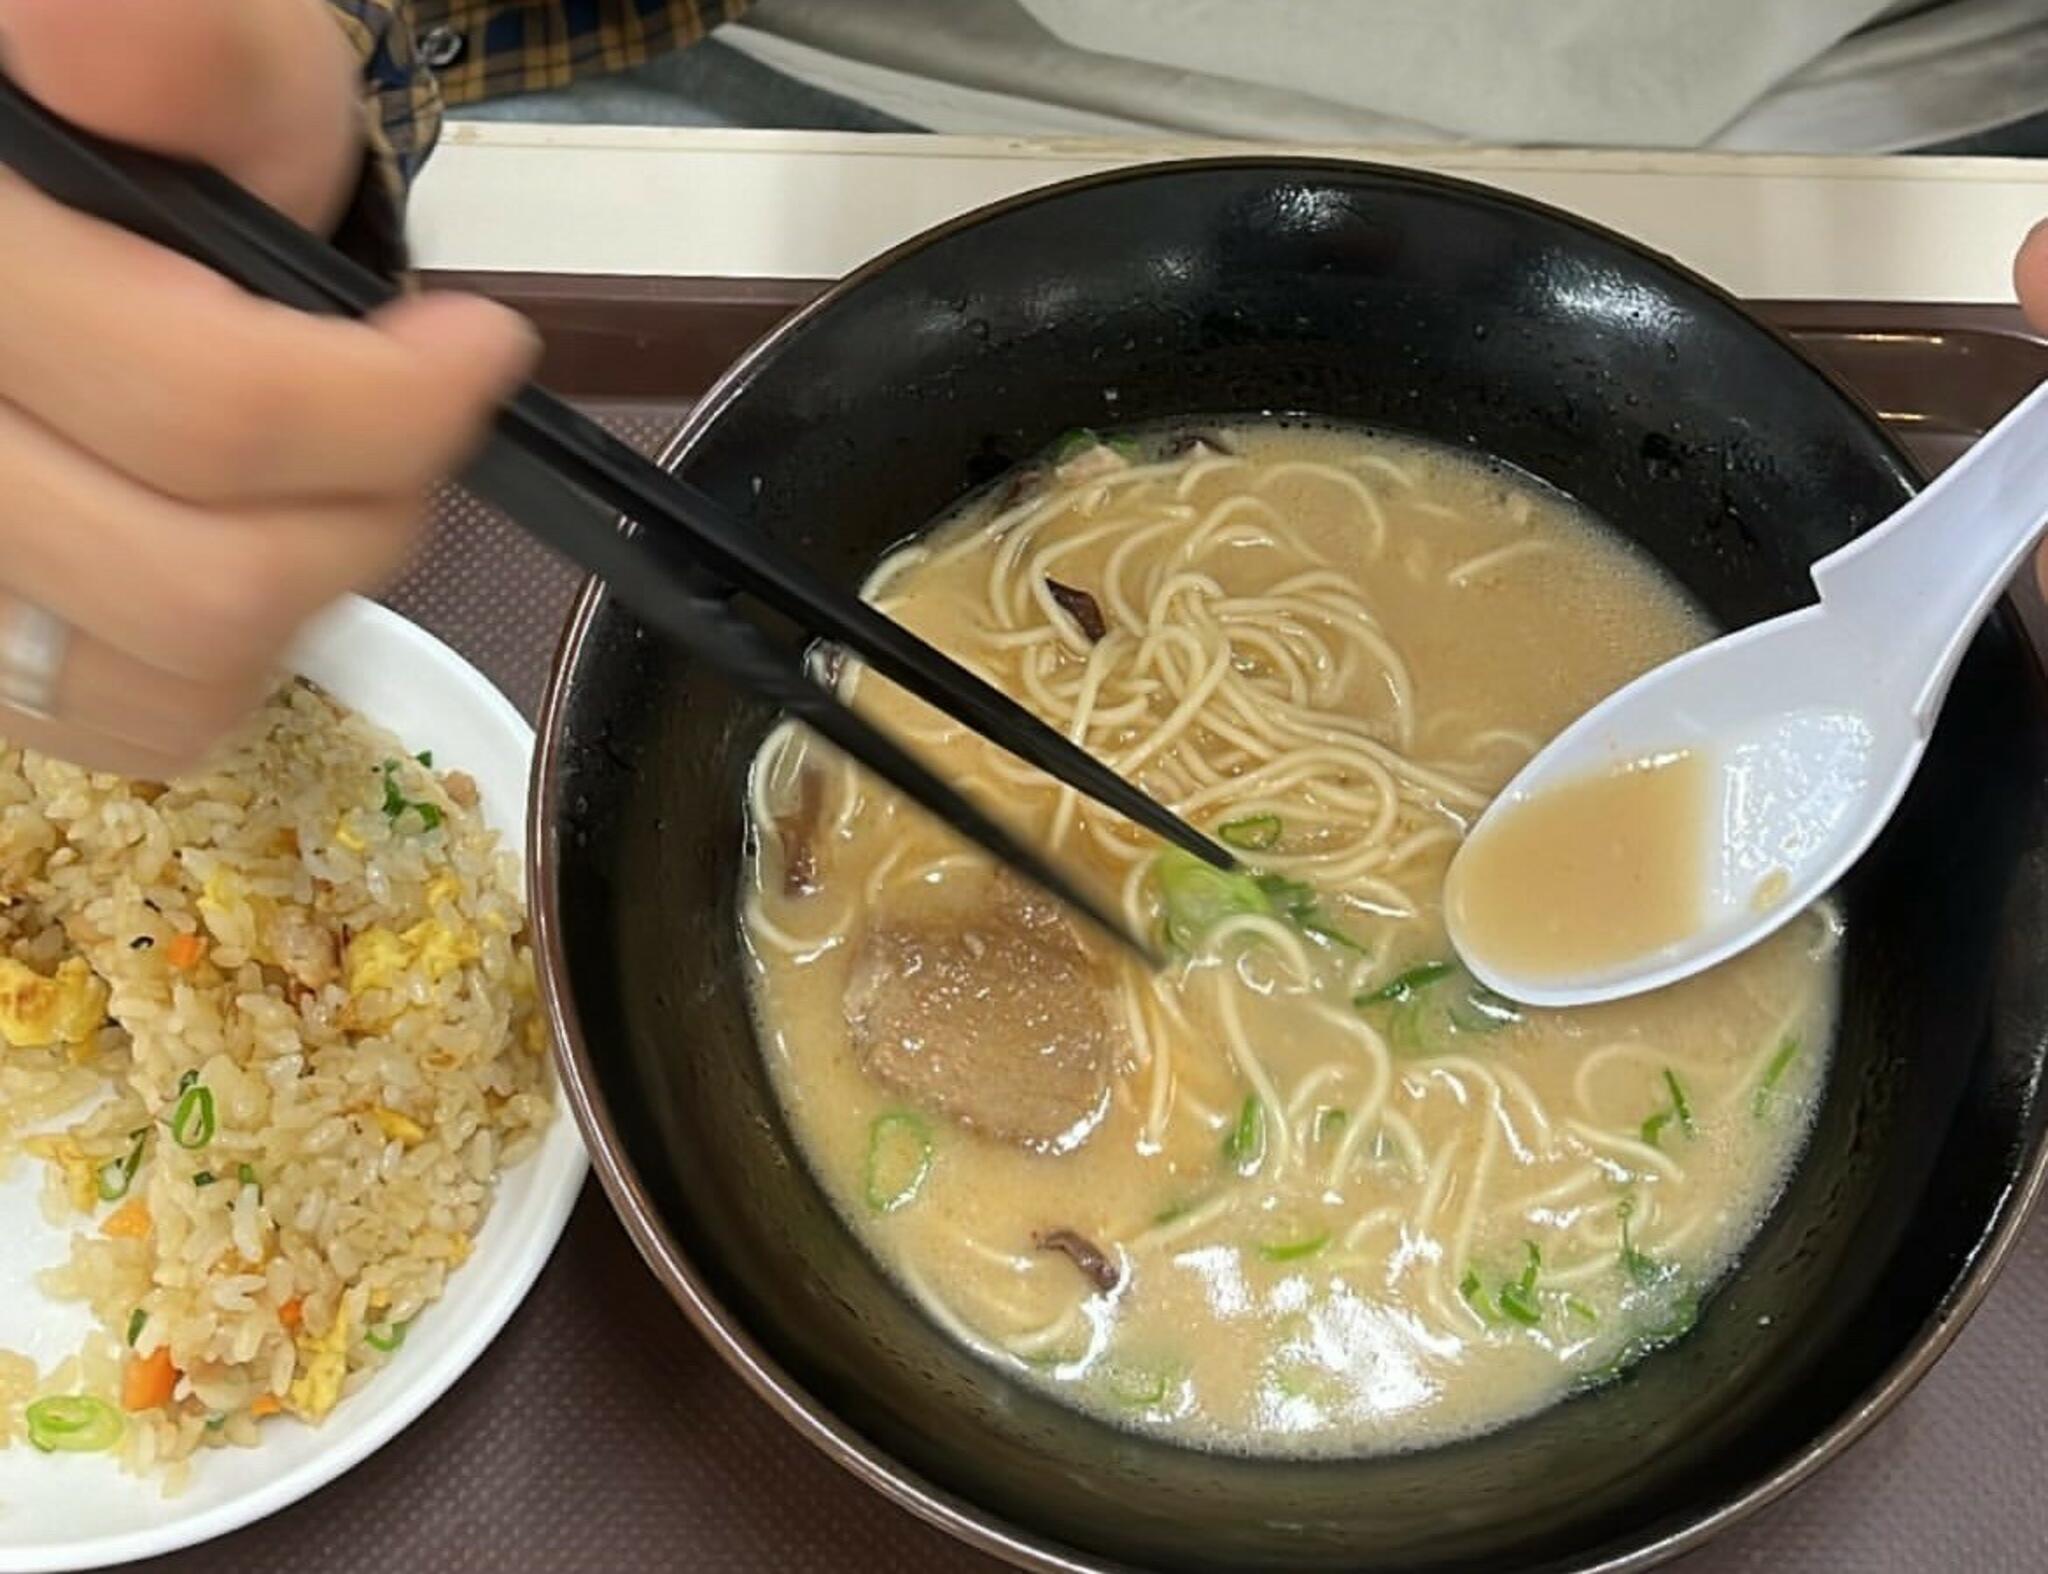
column 599, row 1433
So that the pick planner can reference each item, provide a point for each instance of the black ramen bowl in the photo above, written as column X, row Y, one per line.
column 1418, row 305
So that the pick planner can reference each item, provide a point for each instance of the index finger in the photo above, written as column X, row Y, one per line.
column 169, row 373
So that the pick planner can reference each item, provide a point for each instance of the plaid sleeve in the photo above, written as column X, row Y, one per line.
column 419, row 54
column 402, row 95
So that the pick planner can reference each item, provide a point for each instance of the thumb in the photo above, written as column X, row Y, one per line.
column 265, row 91
column 469, row 354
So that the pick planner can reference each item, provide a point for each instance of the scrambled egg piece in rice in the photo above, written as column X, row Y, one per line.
column 378, row 957
column 63, row 1010
column 323, row 1365
column 81, row 1175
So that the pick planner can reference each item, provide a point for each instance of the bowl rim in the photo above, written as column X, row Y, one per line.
column 966, row 1521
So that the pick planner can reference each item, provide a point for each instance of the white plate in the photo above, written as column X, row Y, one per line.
column 74, row 1511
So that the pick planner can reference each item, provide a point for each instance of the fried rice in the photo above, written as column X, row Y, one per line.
column 271, row 1032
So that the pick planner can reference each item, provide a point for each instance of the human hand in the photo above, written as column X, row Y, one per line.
column 187, row 473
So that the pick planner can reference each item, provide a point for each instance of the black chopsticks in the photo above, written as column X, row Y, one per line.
column 566, row 480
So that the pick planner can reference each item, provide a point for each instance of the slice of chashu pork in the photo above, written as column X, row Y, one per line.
column 978, row 1000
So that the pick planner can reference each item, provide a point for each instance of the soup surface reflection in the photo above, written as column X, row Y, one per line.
column 1311, row 1189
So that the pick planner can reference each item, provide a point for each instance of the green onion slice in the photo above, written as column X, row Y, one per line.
column 396, row 802
column 1294, row 1251
column 192, row 1122
column 1405, row 986
column 1300, row 906
column 136, row 1321
column 1197, row 897
column 1517, row 1301
column 1774, row 1073
column 387, row 1338
column 1434, row 1002
column 73, row 1424
column 1255, row 833
column 1139, row 1386
column 1643, row 1270
column 899, row 1160
column 117, row 1175
column 1244, row 1145
column 1680, row 1110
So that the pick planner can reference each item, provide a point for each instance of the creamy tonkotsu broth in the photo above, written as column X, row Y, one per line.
column 1590, row 875
column 1310, row 1189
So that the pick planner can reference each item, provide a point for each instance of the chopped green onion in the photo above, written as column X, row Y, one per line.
column 192, row 1122
column 1075, row 442
column 1516, row 1302
column 396, row 802
column 1643, row 1270
column 246, row 1175
column 204, row 1178
column 1680, row 1110
column 136, row 1319
column 1581, row 1309
column 389, row 1338
column 1405, row 986
column 1680, row 1103
column 1255, row 833
column 1404, row 1027
column 188, row 1080
column 1139, row 1386
column 117, row 1175
column 1774, row 1073
column 1518, row 1299
column 1197, row 897
column 73, row 1424
column 1172, row 1211
column 899, row 1159
column 1329, row 1121
column 1294, row 1251
column 216, row 1421
column 1301, row 907
column 1475, row 1294
column 1435, row 1001
column 1244, row 1145
column 426, row 758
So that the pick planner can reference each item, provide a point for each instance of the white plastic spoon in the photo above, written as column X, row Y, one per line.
column 1803, row 733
